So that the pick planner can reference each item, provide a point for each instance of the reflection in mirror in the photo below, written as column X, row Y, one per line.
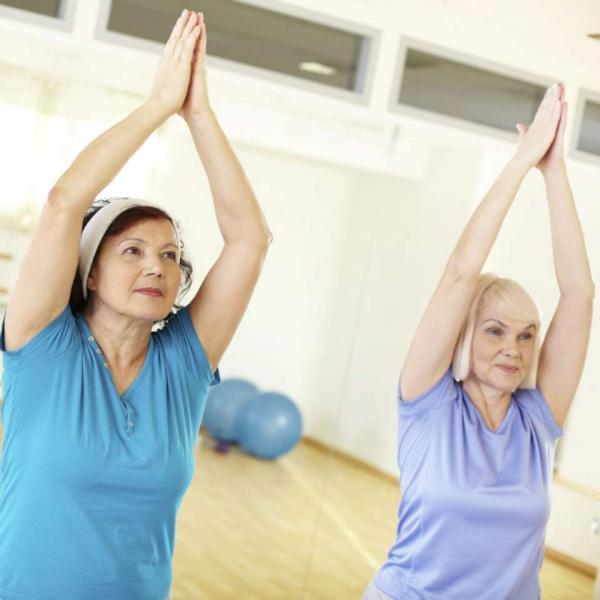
column 452, row 465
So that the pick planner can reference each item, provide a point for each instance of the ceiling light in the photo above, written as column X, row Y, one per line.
column 315, row 67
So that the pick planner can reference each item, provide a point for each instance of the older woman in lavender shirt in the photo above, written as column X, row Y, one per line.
column 482, row 400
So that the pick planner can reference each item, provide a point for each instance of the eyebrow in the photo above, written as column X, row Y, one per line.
column 505, row 325
column 144, row 241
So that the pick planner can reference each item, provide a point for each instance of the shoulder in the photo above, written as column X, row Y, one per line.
column 50, row 341
column 442, row 392
column 531, row 401
column 181, row 346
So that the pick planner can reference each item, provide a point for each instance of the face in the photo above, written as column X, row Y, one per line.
column 137, row 272
column 502, row 350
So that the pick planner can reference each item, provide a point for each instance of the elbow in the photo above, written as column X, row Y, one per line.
column 457, row 270
column 590, row 290
column 258, row 243
column 60, row 200
column 585, row 292
column 268, row 238
column 56, row 197
column 263, row 238
column 263, row 243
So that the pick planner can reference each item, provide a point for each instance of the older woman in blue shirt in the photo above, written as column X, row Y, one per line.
column 100, row 413
column 482, row 401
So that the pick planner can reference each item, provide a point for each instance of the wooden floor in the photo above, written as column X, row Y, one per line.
column 308, row 526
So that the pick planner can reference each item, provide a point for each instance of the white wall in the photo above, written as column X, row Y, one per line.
column 362, row 225
column 279, row 345
column 413, row 233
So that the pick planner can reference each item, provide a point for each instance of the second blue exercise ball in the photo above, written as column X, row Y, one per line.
column 223, row 406
column 269, row 425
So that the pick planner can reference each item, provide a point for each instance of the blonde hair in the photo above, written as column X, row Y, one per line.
column 504, row 294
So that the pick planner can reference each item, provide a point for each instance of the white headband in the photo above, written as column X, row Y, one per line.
column 96, row 228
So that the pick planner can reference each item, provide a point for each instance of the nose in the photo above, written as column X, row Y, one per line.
column 511, row 348
column 153, row 266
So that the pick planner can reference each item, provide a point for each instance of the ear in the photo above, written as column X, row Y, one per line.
column 91, row 280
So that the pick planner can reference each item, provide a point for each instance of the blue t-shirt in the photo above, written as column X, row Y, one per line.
column 475, row 502
column 91, row 481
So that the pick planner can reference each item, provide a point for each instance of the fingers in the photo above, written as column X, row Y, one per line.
column 549, row 108
column 555, row 111
column 203, row 37
column 547, row 117
column 521, row 128
column 200, row 48
column 560, row 133
column 187, row 41
column 176, row 32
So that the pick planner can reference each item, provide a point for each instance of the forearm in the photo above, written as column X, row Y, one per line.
column 482, row 229
column 568, row 246
column 98, row 164
column 238, row 213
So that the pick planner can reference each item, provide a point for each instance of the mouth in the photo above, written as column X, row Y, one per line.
column 507, row 369
column 153, row 292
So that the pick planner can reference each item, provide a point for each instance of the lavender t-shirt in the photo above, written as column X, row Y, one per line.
column 475, row 502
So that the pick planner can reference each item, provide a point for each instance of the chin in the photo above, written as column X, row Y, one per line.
column 153, row 313
column 500, row 382
column 509, row 384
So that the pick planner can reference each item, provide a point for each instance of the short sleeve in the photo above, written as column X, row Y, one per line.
column 54, row 339
column 444, row 390
column 179, row 340
column 532, row 402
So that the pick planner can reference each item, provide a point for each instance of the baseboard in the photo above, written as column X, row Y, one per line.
column 349, row 458
column 579, row 488
column 555, row 555
column 568, row 561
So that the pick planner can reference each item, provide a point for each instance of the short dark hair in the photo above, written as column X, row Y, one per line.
column 124, row 221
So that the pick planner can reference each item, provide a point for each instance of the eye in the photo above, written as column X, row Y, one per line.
column 526, row 336
column 135, row 248
column 495, row 331
column 172, row 255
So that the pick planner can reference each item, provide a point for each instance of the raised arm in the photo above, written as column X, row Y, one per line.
column 221, row 301
column 432, row 347
column 565, row 346
column 46, row 274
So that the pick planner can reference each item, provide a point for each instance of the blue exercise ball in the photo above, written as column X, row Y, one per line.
column 223, row 406
column 269, row 425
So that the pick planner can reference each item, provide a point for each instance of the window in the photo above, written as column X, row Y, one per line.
column 586, row 127
column 51, row 13
column 50, row 8
column 458, row 89
column 262, row 37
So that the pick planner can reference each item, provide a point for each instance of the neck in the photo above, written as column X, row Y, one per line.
column 491, row 402
column 123, row 340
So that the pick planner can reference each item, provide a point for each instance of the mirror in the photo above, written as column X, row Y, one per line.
column 365, row 207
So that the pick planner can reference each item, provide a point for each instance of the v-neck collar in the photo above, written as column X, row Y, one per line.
column 90, row 339
column 473, row 408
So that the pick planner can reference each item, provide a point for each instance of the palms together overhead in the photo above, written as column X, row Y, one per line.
column 180, row 80
column 545, row 135
column 196, row 99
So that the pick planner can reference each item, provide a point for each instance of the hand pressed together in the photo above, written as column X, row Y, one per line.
column 541, row 144
column 172, row 80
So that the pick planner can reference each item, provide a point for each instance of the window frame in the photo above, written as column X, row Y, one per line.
column 395, row 106
column 367, row 68
column 64, row 22
column 584, row 94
